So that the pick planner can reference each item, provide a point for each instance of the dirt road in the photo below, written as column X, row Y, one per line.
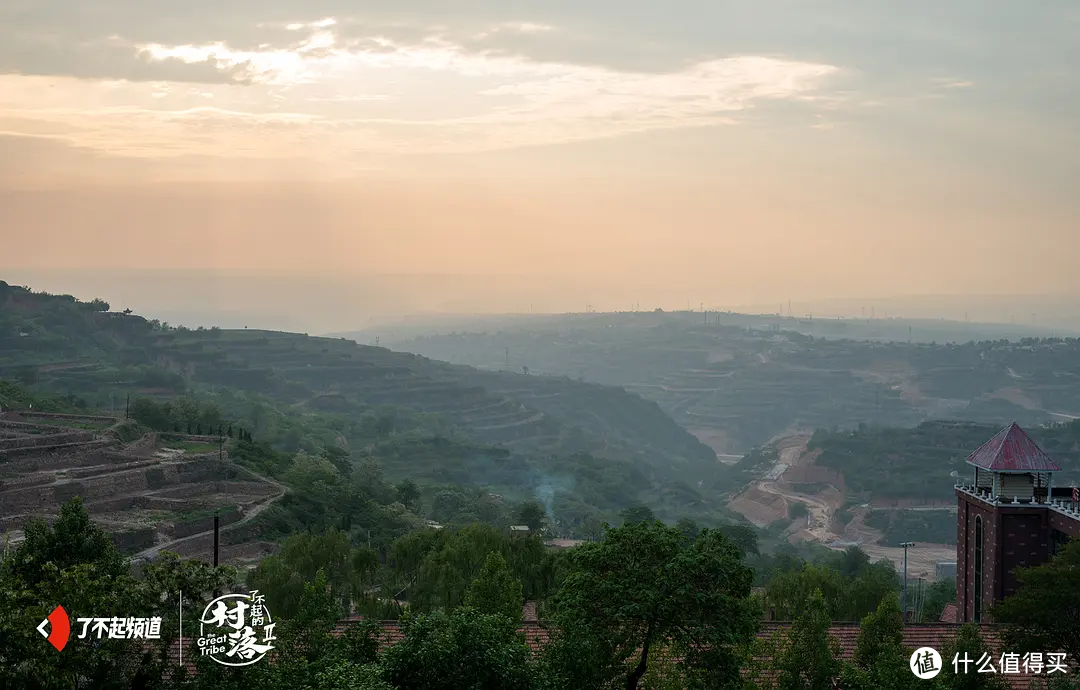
column 152, row 552
column 820, row 512
column 922, row 558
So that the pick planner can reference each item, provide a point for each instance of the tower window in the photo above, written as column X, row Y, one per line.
column 978, row 567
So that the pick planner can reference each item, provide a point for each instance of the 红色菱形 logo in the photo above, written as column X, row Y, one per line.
column 111, row 628
column 236, row 629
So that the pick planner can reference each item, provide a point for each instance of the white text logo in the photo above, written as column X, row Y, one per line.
column 236, row 630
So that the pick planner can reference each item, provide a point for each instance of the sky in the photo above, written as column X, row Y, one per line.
column 537, row 155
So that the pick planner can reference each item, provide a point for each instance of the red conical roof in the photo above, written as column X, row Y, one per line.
column 1011, row 449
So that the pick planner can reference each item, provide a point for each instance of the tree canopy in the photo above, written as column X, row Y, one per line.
column 647, row 588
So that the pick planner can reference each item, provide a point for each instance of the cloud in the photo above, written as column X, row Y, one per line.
column 947, row 83
column 354, row 81
column 108, row 59
column 504, row 103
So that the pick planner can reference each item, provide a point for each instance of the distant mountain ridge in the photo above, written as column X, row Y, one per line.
column 740, row 380
column 67, row 346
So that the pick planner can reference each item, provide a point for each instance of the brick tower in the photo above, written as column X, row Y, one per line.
column 1009, row 515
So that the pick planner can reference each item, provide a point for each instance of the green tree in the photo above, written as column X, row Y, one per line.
column 350, row 571
column 810, row 658
column 940, row 593
column 880, row 661
column 851, row 561
column 407, row 492
column 968, row 644
column 1044, row 613
column 162, row 583
column 496, row 590
column 71, row 563
column 688, row 528
column 461, row 649
column 743, row 536
column 646, row 587
column 449, row 563
column 847, row 598
column 532, row 515
column 636, row 514
column 349, row 675
column 73, row 539
column 310, row 648
column 149, row 414
column 788, row 591
column 592, row 527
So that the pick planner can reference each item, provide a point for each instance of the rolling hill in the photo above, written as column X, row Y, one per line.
column 738, row 381
column 599, row 447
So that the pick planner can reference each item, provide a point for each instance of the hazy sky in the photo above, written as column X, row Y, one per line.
column 729, row 151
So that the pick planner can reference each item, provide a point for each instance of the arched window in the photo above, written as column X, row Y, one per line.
column 978, row 567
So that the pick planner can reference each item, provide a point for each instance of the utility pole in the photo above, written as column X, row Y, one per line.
column 906, row 544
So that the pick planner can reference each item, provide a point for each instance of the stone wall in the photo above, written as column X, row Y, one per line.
column 75, row 456
column 95, row 471
column 33, row 451
column 45, row 440
column 73, row 418
column 36, row 499
column 24, row 482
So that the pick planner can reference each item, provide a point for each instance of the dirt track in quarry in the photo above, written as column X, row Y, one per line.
column 769, row 499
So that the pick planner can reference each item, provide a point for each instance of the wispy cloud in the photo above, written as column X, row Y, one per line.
column 950, row 83
column 379, row 93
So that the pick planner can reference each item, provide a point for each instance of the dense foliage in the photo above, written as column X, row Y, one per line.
column 649, row 606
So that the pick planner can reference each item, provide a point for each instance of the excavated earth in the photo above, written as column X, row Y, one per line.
column 769, row 498
column 147, row 496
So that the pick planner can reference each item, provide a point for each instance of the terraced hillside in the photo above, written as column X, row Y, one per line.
column 280, row 382
column 736, row 387
column 149, row 494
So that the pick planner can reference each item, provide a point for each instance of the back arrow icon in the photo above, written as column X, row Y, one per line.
column 61, row 628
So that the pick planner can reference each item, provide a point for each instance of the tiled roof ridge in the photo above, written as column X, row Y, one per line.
column 1024, row 455
column 996, row 443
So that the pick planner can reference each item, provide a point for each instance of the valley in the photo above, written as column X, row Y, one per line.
column 861, row 430
column 815, row 441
